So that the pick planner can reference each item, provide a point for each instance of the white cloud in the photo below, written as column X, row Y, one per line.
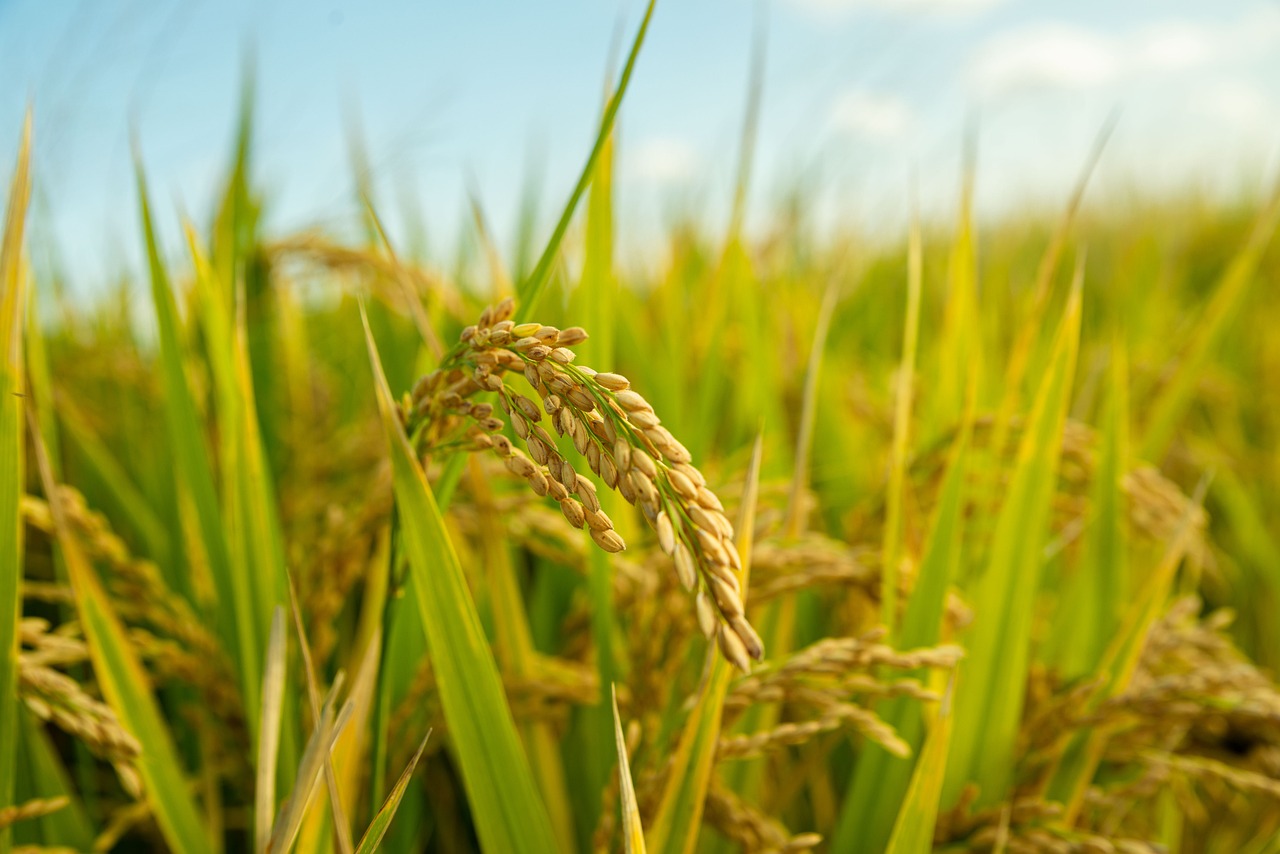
column 871, row 115
column 839, row 8
column 1173, row 45
column 1066, row 56
column 1045, row 56
column 662, row 159
column 1235, row 103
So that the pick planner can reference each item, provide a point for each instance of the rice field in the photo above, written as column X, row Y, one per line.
column 966, row 542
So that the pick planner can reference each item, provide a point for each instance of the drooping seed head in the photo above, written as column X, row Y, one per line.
column 644, row 463
column 587, row 494
column 572, row 336
column 733, row 648
column 747, row 634
column 613, row 382
column 598, row 520
column 608, row 540
column 622, row 455
column 682, row 485
column 632, row 402
column 523, row 330
column 685, row 569
column 708, row 622
column 538, row 482
column 520, row 465
column 666, row 533
column 573, row 511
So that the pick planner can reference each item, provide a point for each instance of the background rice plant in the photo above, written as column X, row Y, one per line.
column 1000, row 512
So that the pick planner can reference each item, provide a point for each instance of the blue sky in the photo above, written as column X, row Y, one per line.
column 859, row 97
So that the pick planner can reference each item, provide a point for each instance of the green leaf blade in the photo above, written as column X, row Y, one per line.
column 991, row 685
column 509, row 814
column 12, row 449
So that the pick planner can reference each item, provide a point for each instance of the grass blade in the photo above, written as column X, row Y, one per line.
column 193, row 470
column 12, row 305
column 378, row 827
column 1228, row 294
column 632, row 831
column 959, row 353
column 121, row 494
column 342, row 827
column 531, row 289
column 880, row 780
column 273, row 679
column 913, row 830
column 124, row 684
column 675, row 828
column 990, row 688
column 311, row 766
column 1084, row 753
column 893, row 531
column 1092, row 605
column 509, row 815
column 513, row 643
column 41, row 774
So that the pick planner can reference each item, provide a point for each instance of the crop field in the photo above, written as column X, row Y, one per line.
column 968, row 541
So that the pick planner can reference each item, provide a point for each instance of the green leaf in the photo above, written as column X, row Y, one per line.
column 509, row 815
column 1098, row 589
column 193, row 471
column 328, row 726
column 959, row 360
column 679, row 819
column 1080, row 760
column 341, row 826
column 991, row 684
column 893, row 526
column 531, row 289
column 121, row 494
column 632, row 830
column 12, row 305
column 913, row 830
column 273, row 682
column 378, row 827
column 125, row 685
column 42, row 775
column 1228, row 294
column 880, row 780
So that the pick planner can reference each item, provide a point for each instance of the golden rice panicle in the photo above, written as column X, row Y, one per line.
column 620, row 437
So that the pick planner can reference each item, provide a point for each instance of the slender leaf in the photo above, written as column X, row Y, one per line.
column 632, row 830
column 893, row 531
column 378, row 827
column 328, row 726
column 1082, row 756
column 125, row 686
column 990, row 691
column 273, row 679
column 1228, row 295
column 880, row 780
column 1094, row 600
column 913, row 830
column 193, row 470
column 12, row 304
column 509, row 815
column 531, row 289
column 313, row 695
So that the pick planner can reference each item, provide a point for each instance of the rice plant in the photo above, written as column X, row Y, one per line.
column 962, row 544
